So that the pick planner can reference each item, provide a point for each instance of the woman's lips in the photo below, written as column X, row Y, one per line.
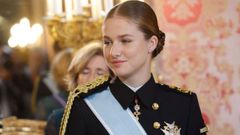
column 117, row 63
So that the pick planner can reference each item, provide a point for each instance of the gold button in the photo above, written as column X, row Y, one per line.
column 156, row 125
column 155, row 106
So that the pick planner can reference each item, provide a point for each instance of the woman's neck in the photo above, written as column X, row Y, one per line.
column 136, row 80
column 138, row 77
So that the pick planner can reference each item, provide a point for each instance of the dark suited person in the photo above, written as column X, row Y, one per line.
column 14, row 89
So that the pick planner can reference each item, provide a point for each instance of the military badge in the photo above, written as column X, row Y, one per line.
column 171, row 129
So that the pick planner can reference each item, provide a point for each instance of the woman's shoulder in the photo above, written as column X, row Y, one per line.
column 175, row 96
column 76, row 96
column 97, row 85
column 76, row 108
column 174, row 90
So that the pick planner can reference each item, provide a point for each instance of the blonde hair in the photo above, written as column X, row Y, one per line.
column 59, row 67
column 80, row 60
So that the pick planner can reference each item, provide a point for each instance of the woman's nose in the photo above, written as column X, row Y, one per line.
column 91, row 77
column 115, row 50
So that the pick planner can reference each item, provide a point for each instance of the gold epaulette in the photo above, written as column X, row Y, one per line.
column 179, row 89
column 72, row 94
column 91, row 85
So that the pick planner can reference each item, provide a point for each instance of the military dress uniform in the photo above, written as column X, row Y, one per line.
column 161, row 110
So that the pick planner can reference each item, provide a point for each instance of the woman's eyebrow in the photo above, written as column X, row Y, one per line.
column 125, row 35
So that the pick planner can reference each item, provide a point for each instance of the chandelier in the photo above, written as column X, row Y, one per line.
column 72, row 23
column 23, row 35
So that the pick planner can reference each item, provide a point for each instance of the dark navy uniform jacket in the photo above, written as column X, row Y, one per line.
column 174, row 107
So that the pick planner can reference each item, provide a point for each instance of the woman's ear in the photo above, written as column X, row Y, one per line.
column 152, row 43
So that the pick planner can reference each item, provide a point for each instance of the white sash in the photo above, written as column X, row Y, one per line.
column 113, row 117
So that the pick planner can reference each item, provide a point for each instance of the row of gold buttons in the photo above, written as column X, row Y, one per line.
column 156, row 125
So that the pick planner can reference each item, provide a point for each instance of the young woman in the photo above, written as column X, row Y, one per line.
column 88, row 63
column 132, row 103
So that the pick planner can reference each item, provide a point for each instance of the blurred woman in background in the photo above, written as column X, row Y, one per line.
column 87, row 63
column 56, row 84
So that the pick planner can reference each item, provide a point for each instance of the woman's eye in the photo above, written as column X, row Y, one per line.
column 100, row 73
column 107, row 42
column 85, row 71
column 126, row 41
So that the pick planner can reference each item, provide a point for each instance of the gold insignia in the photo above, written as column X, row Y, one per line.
column 90, row 85
column 180, row 89
column 171, row 129
column 204, row 129
column 72, row 94
column 156, row 125
column 155, row 106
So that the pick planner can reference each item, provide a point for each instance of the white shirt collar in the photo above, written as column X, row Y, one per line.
column 134, row 89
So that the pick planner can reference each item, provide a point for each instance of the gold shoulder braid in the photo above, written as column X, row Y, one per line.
column 90, row 85
column 80, row 89
column 179, row 89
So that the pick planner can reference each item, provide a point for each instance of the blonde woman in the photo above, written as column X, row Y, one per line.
column 87, row 63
